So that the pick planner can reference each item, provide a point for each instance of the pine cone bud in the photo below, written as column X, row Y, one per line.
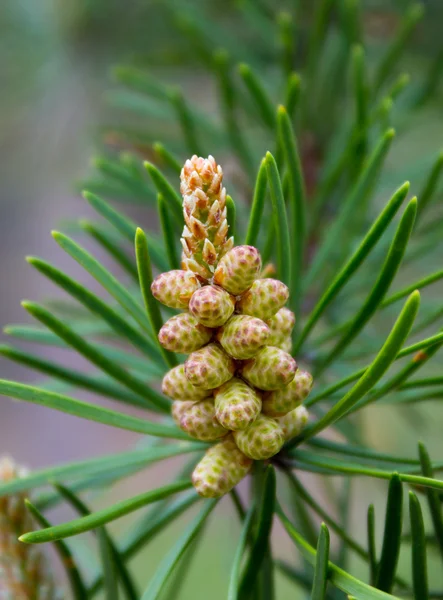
column 243, row 336
column 236, row 404
column 268, row 270
column 209, row 368
column 184, row 334
column 293, row 422
column 179, row 408
column 198, row 420
column 263, row 299
column 281, row 326
column 238, row 269
column 23, row 569
column 280, row 402
column 261, row 440
column 175, row 288
column 212, row 306
column 177, row 386
column 286, row 345
column 271, row 369
column 204, row 237
column 221, row 468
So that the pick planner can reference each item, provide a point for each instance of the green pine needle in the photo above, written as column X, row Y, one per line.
column 103, row 516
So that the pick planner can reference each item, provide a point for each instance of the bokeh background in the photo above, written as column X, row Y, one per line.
column 55, row 59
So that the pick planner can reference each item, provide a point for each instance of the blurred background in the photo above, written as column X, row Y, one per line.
column 55, row 59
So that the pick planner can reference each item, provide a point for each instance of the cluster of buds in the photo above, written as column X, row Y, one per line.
column 239, row 386
column 23, row 570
